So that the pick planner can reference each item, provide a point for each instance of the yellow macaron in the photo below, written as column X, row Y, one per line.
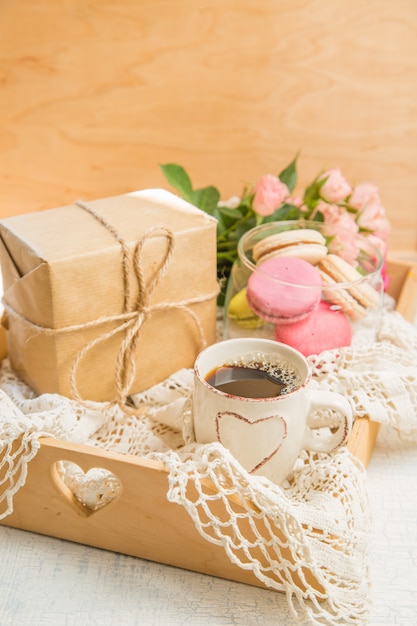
column 240, row 312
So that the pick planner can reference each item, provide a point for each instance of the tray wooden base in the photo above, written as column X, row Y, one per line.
column 140, row 521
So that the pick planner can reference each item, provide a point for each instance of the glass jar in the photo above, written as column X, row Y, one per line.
column 309, row 316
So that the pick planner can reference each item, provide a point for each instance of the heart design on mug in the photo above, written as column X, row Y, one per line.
column 87, row 491
column 245, row 438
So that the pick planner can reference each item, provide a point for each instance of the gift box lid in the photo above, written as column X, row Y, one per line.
column 49, row 255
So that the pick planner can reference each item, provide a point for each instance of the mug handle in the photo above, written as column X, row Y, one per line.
column 343, row 420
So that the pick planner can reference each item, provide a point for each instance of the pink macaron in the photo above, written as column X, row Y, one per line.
column 325, row 329
column 284, row 290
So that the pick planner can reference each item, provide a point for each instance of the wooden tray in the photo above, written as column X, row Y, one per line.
column 140, row 521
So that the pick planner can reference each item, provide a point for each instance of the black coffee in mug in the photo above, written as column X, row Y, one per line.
column 254, row 377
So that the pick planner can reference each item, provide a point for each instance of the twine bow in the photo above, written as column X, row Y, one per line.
column 130, row 321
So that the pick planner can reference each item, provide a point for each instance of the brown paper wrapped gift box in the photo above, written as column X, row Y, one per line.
column 72, row 283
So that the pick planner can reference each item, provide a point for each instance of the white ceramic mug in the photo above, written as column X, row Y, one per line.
column 266, row 435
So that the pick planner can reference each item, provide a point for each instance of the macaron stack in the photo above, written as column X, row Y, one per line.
column 308, row 295
column 356, row 299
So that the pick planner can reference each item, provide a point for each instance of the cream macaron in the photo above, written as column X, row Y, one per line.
column 345, row 286
column 304, row 243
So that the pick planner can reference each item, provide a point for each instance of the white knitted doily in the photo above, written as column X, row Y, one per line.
column 317, row 523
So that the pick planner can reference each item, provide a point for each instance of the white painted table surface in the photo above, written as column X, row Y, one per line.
column 50, row 582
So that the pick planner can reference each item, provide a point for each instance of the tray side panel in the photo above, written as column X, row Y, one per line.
column 139, row 522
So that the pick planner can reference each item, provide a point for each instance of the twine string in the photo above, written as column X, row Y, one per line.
column 130, row 322
column 123, row 245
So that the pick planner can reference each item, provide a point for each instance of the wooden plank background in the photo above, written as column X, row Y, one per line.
column 95, row 94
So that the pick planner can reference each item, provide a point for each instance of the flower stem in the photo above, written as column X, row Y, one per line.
column 226, row 256
column 242, row 220
column 224, row 245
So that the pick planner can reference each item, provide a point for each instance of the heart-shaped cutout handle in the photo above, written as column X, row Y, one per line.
column 88, row 492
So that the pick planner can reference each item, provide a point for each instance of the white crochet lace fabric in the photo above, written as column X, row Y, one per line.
column 308, row 538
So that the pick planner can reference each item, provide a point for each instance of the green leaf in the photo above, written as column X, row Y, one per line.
column 232, row 213
column 285, row 212
column 319, row 217
column 289, row 174
column 178, row 178
column 206, row 199
column 243, row 227
column 221, row 222
column 312, row 192
column 247, row 198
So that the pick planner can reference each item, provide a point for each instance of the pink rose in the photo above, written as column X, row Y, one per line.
column 270, row 192
column 297, row 201
column 373, row 219
column 364, row 194
column 343, row 230
column 379, row 244
column 336, row 188
column 371, row 214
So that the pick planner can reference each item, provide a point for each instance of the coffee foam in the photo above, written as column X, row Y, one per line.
column 275, row 366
